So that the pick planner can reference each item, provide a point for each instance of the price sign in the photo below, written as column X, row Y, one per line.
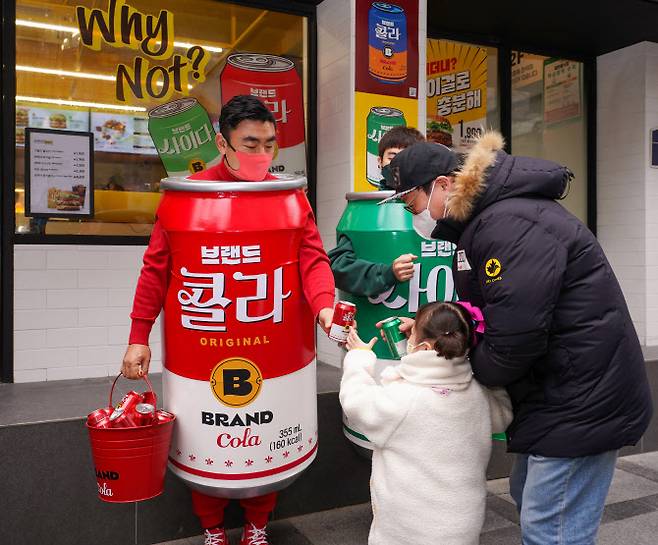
column 59, row 173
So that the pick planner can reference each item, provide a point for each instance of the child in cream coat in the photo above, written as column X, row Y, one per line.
column 430, row 424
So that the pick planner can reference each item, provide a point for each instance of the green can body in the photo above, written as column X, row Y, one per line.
column 395, row 339
column 380, row 234
column 184, row 137
column 380, row 120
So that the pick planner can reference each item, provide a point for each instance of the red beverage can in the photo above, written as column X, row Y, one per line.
column 100, row 418
column 150, row 398
column 163, row 416
column 275, row 81
column 344, row 313
column 144, row 414
column 123, row 413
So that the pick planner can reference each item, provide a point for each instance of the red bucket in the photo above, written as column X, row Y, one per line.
column 130, row 463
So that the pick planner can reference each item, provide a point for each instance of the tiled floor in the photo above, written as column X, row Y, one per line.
column 631, row 515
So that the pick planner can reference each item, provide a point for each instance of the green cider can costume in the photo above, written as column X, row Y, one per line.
column 381, row 234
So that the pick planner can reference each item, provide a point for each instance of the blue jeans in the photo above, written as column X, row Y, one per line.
column 561, row 500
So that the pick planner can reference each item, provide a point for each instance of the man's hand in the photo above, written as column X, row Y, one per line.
column 325, row 317
column 136, row 361
column 354, row 341
column 403, row 267
column 405, row 326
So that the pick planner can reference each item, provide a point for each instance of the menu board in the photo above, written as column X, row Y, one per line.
column 49, row 118
column 121, row 133
column 59, row 173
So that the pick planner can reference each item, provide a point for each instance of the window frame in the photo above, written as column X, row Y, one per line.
column 8, row 86
column 9, row 238
column 505, row 49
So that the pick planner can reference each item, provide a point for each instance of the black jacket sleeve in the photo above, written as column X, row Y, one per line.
column 520, row 269
column 358, row 276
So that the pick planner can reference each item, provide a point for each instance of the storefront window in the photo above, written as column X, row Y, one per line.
column 101, row 67
column 462, row 92
column 549, row 118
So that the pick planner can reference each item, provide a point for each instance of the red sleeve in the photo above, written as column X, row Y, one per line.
column 317, row 279
column 151, row 287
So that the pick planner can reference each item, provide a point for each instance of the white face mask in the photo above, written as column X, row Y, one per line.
column 423, row 222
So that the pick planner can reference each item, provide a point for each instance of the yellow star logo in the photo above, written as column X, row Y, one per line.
column 493, row 267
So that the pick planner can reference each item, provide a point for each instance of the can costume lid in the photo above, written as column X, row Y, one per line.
column 212, row 186
column 368, row 195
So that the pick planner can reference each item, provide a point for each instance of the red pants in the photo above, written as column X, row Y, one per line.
column 210, row 509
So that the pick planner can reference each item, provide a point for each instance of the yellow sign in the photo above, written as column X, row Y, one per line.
column 236, row 381
column 493, row 267
column 373, row 116
column 456, row 93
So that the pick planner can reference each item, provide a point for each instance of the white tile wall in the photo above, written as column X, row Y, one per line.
column 651, row 122
column 335, row 128
column 627, row 87
column 71, row 310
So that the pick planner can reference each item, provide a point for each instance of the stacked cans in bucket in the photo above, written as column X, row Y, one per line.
column 129, row 446
column 133, row 410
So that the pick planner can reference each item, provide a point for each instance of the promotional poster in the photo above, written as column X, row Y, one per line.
column 456, row 93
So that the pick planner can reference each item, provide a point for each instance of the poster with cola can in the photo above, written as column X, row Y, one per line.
column 276, row 82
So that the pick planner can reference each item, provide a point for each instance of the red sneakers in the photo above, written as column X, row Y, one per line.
column 252, row 535
column 215, row 536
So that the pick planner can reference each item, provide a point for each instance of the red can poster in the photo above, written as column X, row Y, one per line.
column 275, row 81
column 387, row 47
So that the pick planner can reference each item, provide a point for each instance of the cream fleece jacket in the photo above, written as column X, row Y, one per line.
column 430, row 424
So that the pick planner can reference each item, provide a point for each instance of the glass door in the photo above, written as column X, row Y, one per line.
column 549, row 118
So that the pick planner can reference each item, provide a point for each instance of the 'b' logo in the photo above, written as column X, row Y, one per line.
column 196, row 165
column 236, row 382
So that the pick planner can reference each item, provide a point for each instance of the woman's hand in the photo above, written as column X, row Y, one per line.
column 354, row 341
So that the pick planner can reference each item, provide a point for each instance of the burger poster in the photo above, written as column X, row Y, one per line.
column 49, row 118
column 456, row 93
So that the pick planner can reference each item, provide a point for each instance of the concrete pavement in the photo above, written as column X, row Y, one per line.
column 630, row 517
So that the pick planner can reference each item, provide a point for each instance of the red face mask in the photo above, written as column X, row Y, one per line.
column 253, row 166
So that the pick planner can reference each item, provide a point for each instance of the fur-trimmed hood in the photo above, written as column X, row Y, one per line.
column 489, row 174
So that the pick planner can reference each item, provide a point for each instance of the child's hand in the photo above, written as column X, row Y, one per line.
column 405, row 326
column 354, row 341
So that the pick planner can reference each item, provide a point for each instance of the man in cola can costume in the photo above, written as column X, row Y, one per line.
column 247, row 142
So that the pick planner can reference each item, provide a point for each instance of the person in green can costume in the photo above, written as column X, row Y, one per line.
column 367, row 278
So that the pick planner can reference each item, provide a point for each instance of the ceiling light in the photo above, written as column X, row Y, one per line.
column 75, row 30
column 47, row 26
column 210, row 48
column 69, row 73
column 82, row 104
column 73, row 74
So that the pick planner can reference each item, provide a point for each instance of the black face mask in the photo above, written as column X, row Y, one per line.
column 389, row 178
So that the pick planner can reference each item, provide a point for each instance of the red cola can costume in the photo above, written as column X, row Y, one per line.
column 239, row 336
column 241, row 272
